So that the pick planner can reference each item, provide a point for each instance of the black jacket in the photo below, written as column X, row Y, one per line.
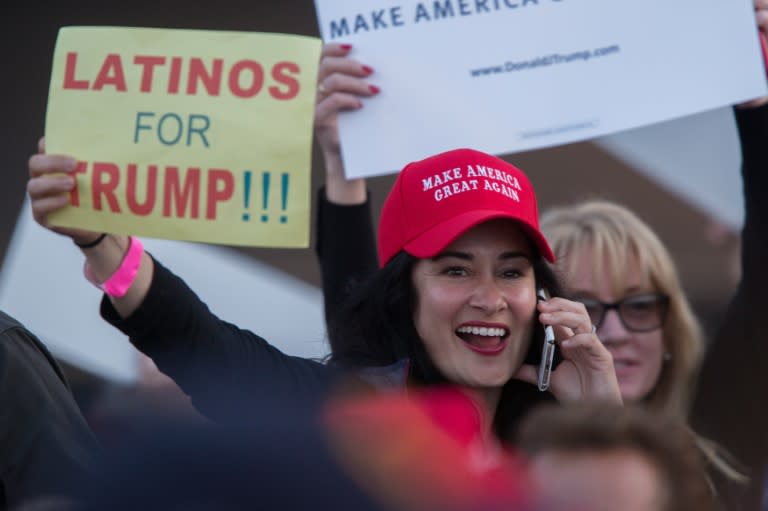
column 224, row 369
column 729, row 402
column 46, row 445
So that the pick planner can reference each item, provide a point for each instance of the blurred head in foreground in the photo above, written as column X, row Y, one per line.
column 603, row 458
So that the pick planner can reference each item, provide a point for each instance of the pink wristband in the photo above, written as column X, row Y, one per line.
column 118, row 284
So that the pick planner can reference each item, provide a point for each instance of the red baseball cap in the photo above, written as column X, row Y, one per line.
column 436, row 200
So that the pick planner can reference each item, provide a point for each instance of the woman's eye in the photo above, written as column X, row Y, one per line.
column 455, row 271
column 640, row 306
column 512, row 274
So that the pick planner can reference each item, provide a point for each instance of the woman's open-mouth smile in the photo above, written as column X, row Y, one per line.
column 485, row 340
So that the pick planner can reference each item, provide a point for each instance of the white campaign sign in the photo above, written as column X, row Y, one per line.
column 511, row 75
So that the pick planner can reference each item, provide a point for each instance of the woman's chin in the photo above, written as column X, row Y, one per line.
column 631, row 392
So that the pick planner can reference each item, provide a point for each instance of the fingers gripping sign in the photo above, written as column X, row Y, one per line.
column 49, row 188
column 341, row 83
column 342, row 86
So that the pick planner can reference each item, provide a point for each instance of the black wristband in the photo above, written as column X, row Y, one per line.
column 92, row 243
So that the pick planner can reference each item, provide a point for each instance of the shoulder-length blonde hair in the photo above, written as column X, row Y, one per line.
column 612, row 233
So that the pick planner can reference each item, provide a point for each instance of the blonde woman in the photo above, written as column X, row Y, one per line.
column 616, row 265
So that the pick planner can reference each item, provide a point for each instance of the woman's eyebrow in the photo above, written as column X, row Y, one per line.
column 579, row 292
column 515, row 255
column 635, row 289
column 467, row 256
column 458, row 255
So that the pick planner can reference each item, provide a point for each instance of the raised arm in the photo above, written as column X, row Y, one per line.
column 50, row 182
column 734, row 378
column 341, row 86
column 345, row 244
column 218, row 364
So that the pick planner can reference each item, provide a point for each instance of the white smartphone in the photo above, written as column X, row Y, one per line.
column 547, row 349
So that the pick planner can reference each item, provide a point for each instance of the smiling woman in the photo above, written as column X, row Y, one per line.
column 489, row 269
column 454, row 303
column 455, row 298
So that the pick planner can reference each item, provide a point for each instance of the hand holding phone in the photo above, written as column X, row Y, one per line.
column 547, row 349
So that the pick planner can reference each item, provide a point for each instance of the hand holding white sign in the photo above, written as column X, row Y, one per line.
column 341, row 87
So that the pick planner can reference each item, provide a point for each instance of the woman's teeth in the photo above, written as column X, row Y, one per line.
column 480, row 330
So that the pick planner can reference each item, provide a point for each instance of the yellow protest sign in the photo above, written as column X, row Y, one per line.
column 186, row 134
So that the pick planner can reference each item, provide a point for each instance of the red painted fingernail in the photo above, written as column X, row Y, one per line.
column 346, row 47
column 374, row 89
column 367, row 70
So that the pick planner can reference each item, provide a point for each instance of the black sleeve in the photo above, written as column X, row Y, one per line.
column 46, row 446
column 729, row 403
column 346, row 249
column 220, row 366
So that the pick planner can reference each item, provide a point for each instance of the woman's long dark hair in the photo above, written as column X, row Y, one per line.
column 374, row 327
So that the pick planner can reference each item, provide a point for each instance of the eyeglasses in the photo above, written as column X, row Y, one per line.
column 638, row 313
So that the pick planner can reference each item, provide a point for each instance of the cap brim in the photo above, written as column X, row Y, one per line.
column 432, row 242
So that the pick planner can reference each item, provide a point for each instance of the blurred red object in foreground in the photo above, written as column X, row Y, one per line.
column 425, row 451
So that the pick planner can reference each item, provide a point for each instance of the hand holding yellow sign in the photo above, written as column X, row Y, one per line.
column 186, row 134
